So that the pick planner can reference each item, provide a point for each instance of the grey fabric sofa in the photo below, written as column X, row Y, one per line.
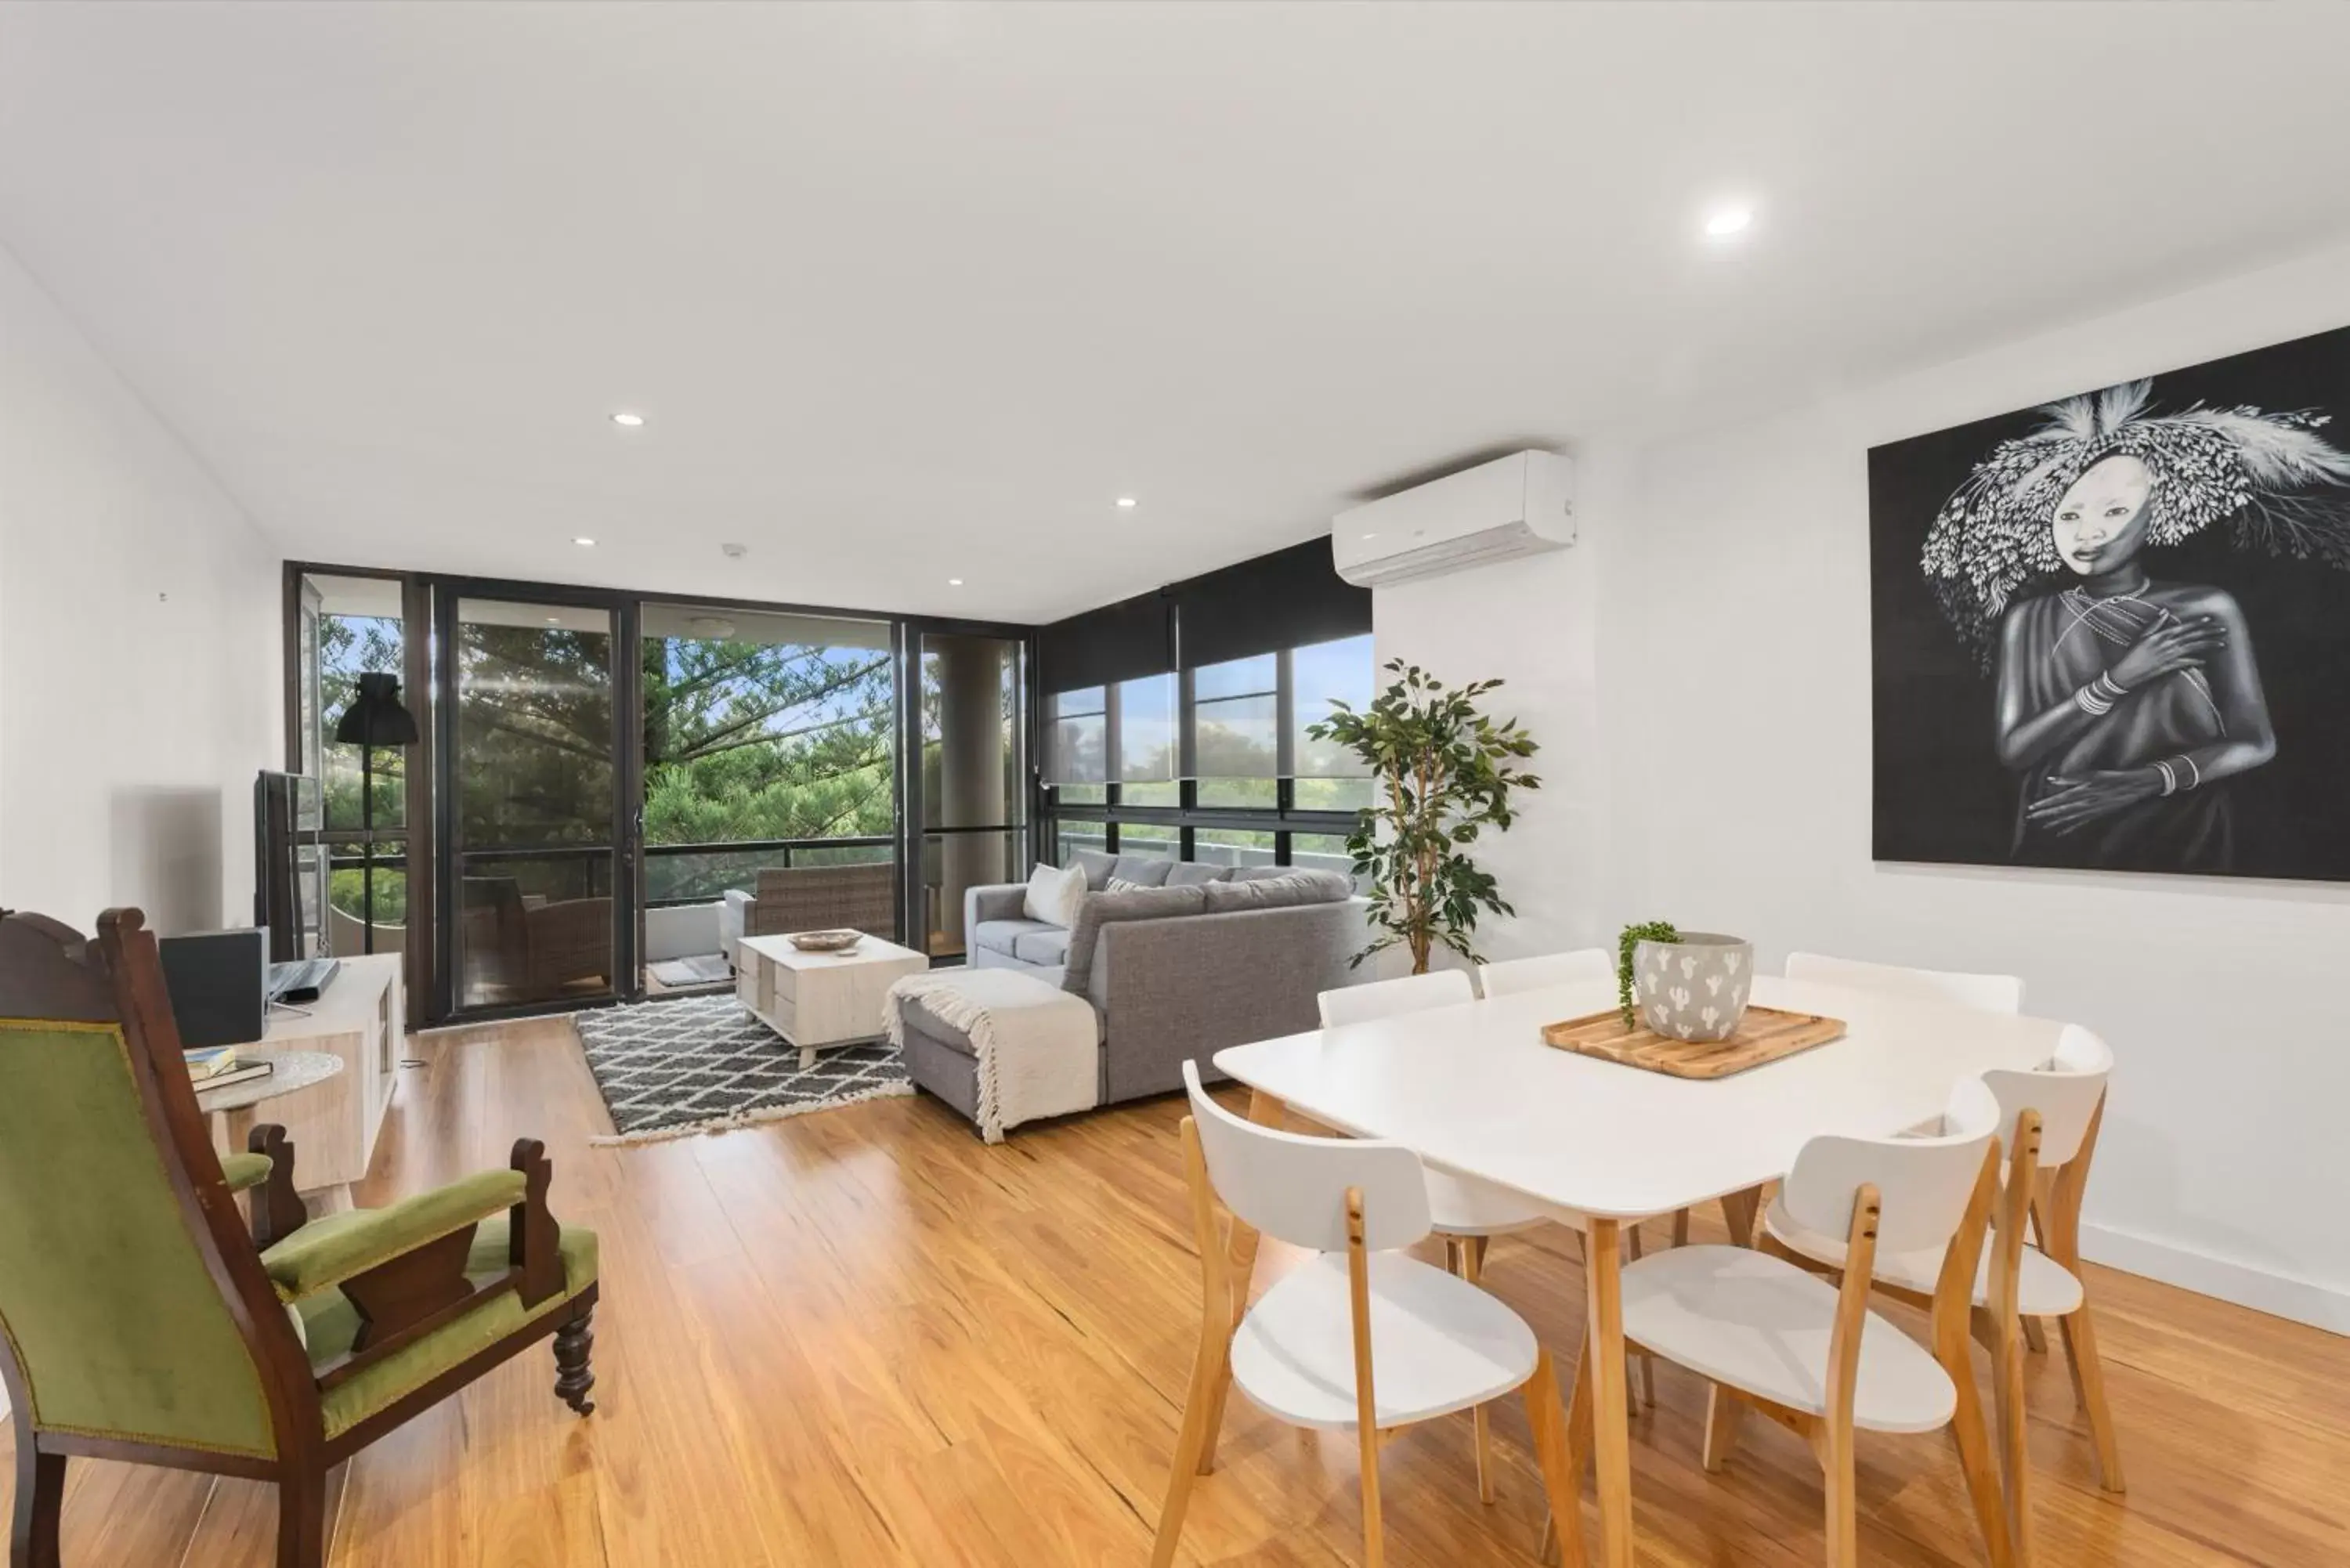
column 1177, row 972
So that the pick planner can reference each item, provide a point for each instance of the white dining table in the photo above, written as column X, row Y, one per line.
column 1476, row 1092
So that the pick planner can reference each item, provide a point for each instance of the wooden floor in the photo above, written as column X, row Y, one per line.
column 861, row 1337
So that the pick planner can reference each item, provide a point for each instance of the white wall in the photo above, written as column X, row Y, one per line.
column 1728, row 697
column 139, row 646
column 1534, row 624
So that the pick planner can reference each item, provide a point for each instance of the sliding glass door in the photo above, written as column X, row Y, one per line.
column 539, row 897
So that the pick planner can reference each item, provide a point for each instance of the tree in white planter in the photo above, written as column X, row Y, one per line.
column 1444, row 773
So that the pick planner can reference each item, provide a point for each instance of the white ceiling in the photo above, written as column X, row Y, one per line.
column 910, row 292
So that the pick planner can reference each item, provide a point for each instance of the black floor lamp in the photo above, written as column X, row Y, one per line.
column 375, row 718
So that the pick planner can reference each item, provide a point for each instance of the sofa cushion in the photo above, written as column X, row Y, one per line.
column 1052, row 893
column 1097, row 909
column 1258, row 873
column 1277, row 892
column 1142, row 870
column 1192, row 874
column 1098, row 866
column 1000, row 936
column 1045, row 947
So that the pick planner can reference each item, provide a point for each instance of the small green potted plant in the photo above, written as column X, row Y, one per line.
column 1683, row 985
column 1445, row 774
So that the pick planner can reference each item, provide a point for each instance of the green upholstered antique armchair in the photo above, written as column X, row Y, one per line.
column 142, row 1318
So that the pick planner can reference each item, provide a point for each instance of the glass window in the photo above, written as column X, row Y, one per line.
column 1146, row 729
column 1325, row 852
column 761, row 729
column 1167, row 794
column 1319, row 675
column 1335, row 795
column 1079, row 726
column 349, row 646
column 1236, row 719
column 1150, row 840
column 1236, row 678
column 1081, row 794
column 1073, row 834
column 1232, row 847
column 1239, row 795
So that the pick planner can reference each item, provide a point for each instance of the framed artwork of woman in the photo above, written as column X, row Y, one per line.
column 2142, row 597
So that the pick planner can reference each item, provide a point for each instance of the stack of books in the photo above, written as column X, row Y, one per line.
column 218, row 1066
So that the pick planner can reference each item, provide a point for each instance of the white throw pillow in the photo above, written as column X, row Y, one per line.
column 1120, row 884
column 1052, row 893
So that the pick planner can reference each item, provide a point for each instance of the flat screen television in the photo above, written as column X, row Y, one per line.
column 290, row 865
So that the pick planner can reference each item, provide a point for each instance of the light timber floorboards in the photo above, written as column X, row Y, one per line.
column 862, row 1337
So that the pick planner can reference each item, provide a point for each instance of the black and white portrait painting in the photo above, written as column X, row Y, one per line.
column 2112, row 631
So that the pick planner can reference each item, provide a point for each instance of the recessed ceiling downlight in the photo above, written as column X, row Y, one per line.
column 583, row 541
column 1127, row 501
column 1724, row 222
column 627, row 419
column 954, row 582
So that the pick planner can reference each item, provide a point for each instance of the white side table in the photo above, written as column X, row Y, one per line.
column 233, row 1107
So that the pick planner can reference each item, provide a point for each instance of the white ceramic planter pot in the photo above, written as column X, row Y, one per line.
column 1696, row 988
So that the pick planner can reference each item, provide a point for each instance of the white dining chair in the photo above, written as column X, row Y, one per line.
column 1990, row 993
column 1462, row 1212
column 1581, row 967
column 1466, row 1214
column 1359, row 1336
column 2049, row 1121
column 1772, row 1336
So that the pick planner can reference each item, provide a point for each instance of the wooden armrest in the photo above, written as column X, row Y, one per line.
column 406, row 1297
column 276, row 1209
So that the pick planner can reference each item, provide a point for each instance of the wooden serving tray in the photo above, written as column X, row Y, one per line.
column 1765, row 1034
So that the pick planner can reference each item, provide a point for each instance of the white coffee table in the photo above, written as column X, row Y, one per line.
column 821, row 1000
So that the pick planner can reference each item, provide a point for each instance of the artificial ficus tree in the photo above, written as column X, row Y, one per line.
column 1445, row 773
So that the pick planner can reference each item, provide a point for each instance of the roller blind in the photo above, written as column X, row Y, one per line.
column 1290, row 598
column 1103, row 647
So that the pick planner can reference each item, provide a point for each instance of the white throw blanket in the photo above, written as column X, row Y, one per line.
column 1035, row 1042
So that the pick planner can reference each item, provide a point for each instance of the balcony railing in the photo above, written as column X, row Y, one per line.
column 674, row 873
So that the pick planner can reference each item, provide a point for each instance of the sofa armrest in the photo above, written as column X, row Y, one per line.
column 994, row 901
column 1175, row 990
column 322, row 1255
column 733, row 919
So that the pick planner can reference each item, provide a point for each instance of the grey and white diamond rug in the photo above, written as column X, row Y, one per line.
column 672, row 1069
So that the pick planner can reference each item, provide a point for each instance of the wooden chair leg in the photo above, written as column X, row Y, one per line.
column 1375, row 1547
column 1976, row 1461
column 2089, row 1386
column 1837, row 1458
column 2014, row 1452
column 574, row 1343
column 1738, row 1211
column 1722, row 1413
column 40, row 1499
column 1646, row 1399
column 2035, row 1336
column 1680, row 1227
column 302, row 1521
column 1209, row 1370
column 1556, row 1451
column 1472, row 1269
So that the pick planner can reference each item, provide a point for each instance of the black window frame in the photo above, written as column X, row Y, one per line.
column 1188, row 816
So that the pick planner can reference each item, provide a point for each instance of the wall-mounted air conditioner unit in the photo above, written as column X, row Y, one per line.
column 1514, row 505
